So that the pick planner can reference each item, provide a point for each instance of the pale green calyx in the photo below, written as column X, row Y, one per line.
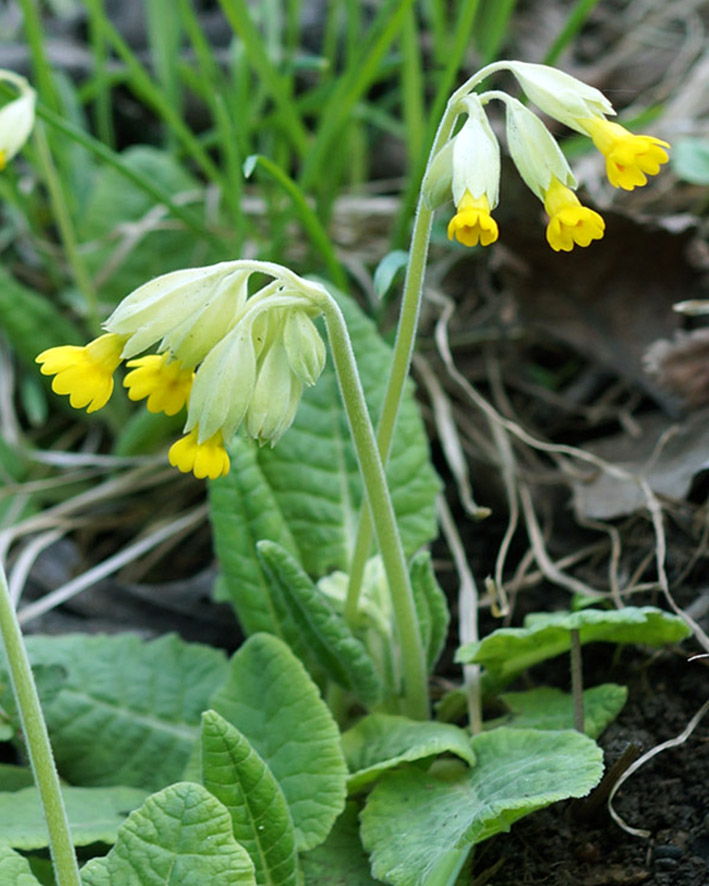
column 224, row 385
column 436, row 185
column 535, row 152
column 16, row 117
column 276, row 395
column 305, row 348
column 560, row 95
column 476, row 156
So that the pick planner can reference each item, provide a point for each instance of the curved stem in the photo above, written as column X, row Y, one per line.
column 34, row 728
column 415, row 700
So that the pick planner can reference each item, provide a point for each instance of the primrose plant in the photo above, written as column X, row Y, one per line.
column 238, row 771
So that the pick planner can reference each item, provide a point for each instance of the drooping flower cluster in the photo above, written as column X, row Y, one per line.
column 230, row 357
column 16, row 117
column 468, row 166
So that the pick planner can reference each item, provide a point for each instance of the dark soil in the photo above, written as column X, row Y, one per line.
column 668, row 796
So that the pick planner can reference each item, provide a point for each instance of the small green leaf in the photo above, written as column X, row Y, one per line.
column 249, row 165
column 95, row 814
column 431, row 607
column 235, row 774
column 548, row 708
column 508, row 651
column 340, row 860
column 128, row 711
column 272, row 700
column 315, row 631
column 382, row 741
column 690, row 159
column 517, row 772
column 15, row 869
column 181, row 836
column 387, row 269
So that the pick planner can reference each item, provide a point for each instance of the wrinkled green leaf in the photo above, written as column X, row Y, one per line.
column 381, row 741
column 314, row 630
column 305, row 493
column 431, row 607
column 517, row 772
column 271, row 699
column 549, row 708
column 508, row 651
column 181, row 836
column 95, row 814
column 235, row 774
column 129, row 711
column 340, row 860
column 15, row 869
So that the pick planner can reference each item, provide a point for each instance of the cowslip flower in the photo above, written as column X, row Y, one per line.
column 16, row 117
column 206, row 460
column 629, row 158
column 547, row 173
column 468, row 167
column 570, row 223
column 84, row 373
column 162, row 382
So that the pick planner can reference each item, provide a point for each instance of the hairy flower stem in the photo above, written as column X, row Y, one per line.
column 66, row 870
column 415, row 699
column 405, row 335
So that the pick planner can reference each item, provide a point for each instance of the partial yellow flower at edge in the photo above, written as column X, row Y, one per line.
column 84, row 373
column 630, row 158
column 163, row 381
column 570, row 223
column 473, row 223
column 207, row 459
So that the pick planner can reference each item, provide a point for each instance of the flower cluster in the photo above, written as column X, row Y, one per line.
column 228, row 356
column 16, row 117
column 468, row 166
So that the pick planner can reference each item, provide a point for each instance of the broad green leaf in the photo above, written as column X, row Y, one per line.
column 95, row 814
column 181, row 836
column 690, row 159
column 431, row 607
column 517, row 772
column 549, row 708
column 15, row 869
column 382, row 741
column 235, row 774
column 32, row 322
column 125, row 238
column 314, row 630
column 129, row 711
column 387, row 269
column 272, row 700
column 508, row 651
column 340, row 860
column 310, row 483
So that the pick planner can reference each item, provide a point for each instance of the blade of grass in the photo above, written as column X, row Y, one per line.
column 492, row 27
column 575, row 21
column 43, row 74
column 237, row 13
column 412, row 87
column 99, row 50
column 164, row 36
column 314, row 229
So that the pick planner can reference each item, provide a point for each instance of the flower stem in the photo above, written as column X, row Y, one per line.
column 415, row 700
column 406, row 331
column 66, row 870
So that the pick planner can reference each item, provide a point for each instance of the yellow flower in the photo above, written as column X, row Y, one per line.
column 473, row 222
column 629, row 158
column 163, row 381
column 207, row 459
column 84, row 373
column 570, row 223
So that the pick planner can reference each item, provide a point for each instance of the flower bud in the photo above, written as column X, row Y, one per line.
column 276, row 396
column 304, row 346
column 16, row 118
column 560, row 95
column 476, row 157
column 535, row 152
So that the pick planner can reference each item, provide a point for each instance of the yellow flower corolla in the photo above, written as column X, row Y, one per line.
column 629, row 158
column 473, row 223
column 164, row 382
column 207, row 459
column 84, row 373
column 570, row 223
